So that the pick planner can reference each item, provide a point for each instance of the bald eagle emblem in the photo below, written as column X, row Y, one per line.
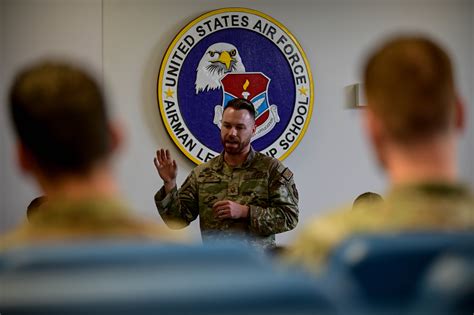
column 233, row 53
column 218, row 60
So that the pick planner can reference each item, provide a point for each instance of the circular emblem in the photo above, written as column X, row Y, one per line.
column 235, row 53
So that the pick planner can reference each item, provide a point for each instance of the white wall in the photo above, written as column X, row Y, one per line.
column 470, row 154
column 333, row 162
column 2, row 119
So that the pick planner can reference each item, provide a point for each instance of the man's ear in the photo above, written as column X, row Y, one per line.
column 459, row 114
column 116, row 136
column 25, row 159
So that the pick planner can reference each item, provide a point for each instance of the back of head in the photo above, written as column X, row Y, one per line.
column 60, row 118
column 367, row 200
column 35, row 205
column 410, row 87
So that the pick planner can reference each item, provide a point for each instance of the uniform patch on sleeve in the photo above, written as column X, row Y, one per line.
column 295, row 192
column 287, row 174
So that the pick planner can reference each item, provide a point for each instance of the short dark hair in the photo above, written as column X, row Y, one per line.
column 60, row 117
column 367, row 198
column 34, row 205
column 241, row 103
column 409, row 85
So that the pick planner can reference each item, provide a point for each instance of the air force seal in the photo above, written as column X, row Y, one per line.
column 235, row 53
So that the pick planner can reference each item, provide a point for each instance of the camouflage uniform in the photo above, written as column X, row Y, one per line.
column 416, row 207
column 66, row 220
column 261, row 182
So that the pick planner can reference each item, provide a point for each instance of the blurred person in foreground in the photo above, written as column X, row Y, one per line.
column 65, row 142
column 413, row 120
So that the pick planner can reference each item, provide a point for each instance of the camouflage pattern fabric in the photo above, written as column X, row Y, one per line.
column 261, row 182
column 63, row 220
column 420, row 207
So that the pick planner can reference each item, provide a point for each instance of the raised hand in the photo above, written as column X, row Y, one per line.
column 166, row 167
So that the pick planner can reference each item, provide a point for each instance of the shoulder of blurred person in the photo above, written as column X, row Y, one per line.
column 429, row 207
column 419, row 207
column 66, row 220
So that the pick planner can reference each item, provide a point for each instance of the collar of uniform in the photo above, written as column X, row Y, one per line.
column 64, row 211
column 219, row 162
column 249, row 159
column 429, row 189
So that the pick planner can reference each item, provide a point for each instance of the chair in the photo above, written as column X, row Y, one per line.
column 147, row 278
column 448, row 286
column 382, row 273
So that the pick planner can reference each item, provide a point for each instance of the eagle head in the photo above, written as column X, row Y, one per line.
column 219, row 59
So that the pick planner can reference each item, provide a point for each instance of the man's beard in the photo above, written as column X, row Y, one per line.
column 236, row 147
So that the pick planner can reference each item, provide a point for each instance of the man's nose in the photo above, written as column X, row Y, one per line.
column 233, row 131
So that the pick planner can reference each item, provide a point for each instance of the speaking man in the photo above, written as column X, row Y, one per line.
column 240, row 193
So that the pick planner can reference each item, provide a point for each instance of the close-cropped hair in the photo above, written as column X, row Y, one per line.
column 60, row 117
column 367, row 199
column 240, row 103
column 409, row 85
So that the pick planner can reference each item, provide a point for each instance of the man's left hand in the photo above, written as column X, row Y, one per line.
column 227, row 209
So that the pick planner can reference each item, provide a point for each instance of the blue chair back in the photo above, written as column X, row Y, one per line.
column 131, row 278
column 448, row 286
column 384, row 272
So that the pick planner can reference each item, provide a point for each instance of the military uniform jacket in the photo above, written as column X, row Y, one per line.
column 417, row 207
column 64, row 220
column 261, row 182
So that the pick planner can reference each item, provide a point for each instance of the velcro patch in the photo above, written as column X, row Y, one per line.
column 287, row 174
